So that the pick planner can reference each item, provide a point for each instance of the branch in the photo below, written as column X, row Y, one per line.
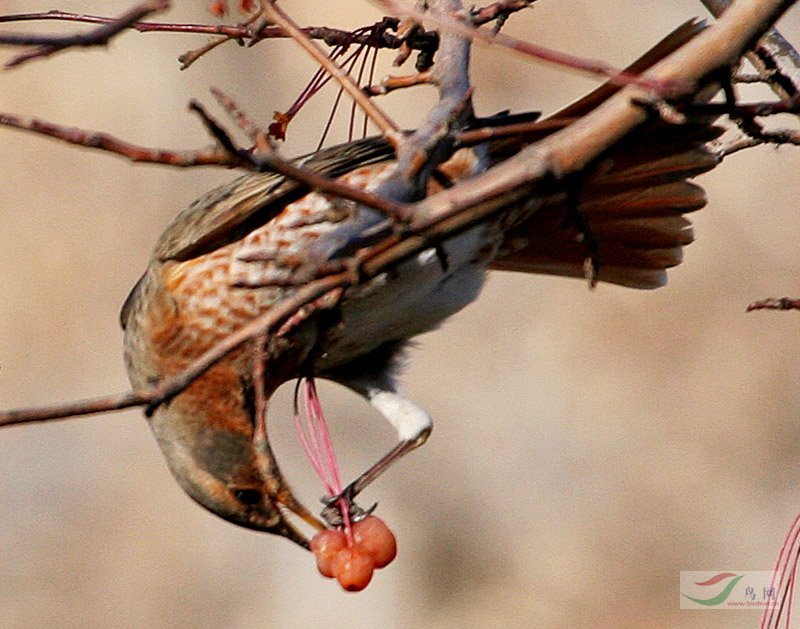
column 527, row 49
column 432, row 143
column 330, row 36
column 266, row 159
column 167, row 389
column 454, row 68
column 571, row 150
column 454, row 210
column 111, row 144
column 775, row 59
column 48, row 45
column 775, row 303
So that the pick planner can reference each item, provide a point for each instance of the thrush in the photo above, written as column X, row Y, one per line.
column 237, row 252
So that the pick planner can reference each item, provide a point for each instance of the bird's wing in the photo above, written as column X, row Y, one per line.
column 229, row 212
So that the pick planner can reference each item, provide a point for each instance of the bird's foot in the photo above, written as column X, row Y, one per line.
column 333, row 512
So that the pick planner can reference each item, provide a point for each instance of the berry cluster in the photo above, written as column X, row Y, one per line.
column 352, row 562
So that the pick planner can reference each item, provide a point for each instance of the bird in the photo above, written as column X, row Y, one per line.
column 237, row 251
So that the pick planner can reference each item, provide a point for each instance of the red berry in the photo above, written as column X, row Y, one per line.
column 326, row 545
column 372, row 536
column 219, row 8
column 354, row 569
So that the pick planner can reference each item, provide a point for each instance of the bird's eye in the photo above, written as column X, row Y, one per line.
column 248, row 496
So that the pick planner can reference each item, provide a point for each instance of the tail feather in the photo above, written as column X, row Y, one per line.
column 621, row 173
column 636, row 277
column 674, row 198
column 633, row 202
column 617, row 255
column 657, row 233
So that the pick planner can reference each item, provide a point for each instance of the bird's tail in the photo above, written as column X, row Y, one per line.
column 626, row 213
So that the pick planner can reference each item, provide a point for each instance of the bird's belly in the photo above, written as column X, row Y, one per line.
column 412, row 299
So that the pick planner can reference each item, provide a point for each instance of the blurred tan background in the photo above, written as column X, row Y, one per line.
column 589, row 445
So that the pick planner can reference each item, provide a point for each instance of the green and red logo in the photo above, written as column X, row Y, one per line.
column 743, row 589
column 726, row 580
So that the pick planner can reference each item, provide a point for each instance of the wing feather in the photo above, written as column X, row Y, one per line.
column 232, row 210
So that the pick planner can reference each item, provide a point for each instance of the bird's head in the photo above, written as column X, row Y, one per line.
column 206, row 433
column 227, row 472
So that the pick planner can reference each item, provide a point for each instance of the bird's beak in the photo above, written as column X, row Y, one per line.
column 271, row 516
column 285, row 500
column 286, row 529
column 282, row 500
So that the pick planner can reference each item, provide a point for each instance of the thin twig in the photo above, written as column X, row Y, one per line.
column 266, row 159
column 330, row 36
column 243, row 121
column 188, row 58
column 498, row 11
column 114, row 145
column 775, row 303
column 228, row 157
column 392, row 83
column 49, row 44
column 530, row 50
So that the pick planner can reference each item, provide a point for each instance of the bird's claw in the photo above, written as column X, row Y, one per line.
column 332, row 512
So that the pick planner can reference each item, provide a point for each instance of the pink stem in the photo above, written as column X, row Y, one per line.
column 786, row 564
column 313, row 435
column 314, row 409
column 327, row 444
column 315, row 462
column 322, row 439
column 319, row 449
